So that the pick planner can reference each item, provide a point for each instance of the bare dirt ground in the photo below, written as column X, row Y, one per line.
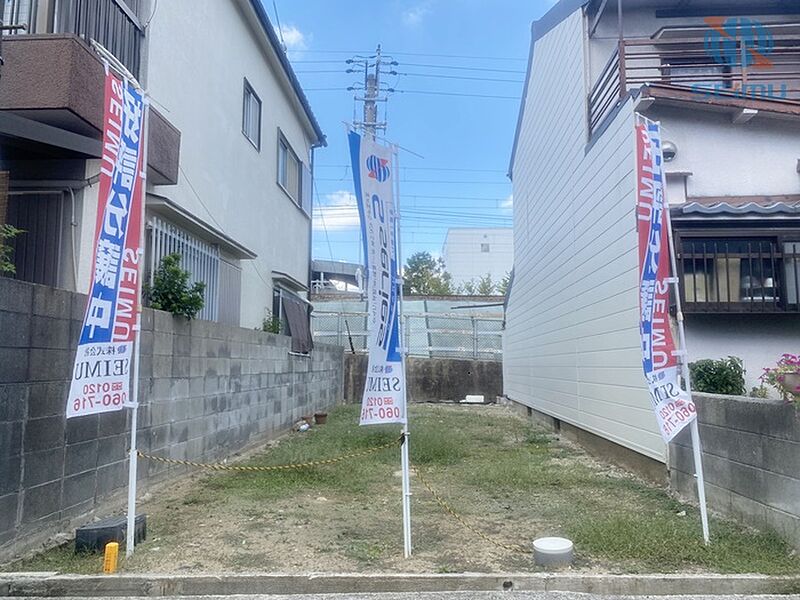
column 507, row 479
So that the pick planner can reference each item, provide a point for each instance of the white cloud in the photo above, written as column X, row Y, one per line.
column 414, row 16
column 293, row 38
column 338, row 212
column 508, row 203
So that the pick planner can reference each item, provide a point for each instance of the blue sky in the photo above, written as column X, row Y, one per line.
column 465, row 141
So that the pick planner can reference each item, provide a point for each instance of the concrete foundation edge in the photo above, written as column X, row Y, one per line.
column 51, row 585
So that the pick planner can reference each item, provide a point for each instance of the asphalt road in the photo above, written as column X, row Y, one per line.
column 448, row 596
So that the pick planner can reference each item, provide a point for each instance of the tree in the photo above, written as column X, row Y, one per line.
column 426, row 275
column 468, row 288
column 7, row 234
column 485, row 285
column 505, row 282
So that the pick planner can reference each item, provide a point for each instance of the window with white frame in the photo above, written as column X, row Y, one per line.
column 251, row 116
column 290, row 170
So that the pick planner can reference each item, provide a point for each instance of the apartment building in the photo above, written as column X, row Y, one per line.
column 723, row 78
column 471, row 253
column 231, row 138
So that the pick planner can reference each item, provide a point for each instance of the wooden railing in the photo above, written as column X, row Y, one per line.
column 688, row 64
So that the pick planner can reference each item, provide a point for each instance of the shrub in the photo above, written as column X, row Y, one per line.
column 7, row 232
column 271, row 323
column 725, row 376
column 171, row 292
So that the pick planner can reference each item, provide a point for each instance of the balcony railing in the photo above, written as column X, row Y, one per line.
column 740, row 274
column 741, row 72
column 112, row 23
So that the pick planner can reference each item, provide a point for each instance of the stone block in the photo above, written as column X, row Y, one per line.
column 47, row 332
column 50, row 365
column 43, row 466
column 82, row 429
column 52, row 302
column 80, row 457
column 78, row 489
column 162, row 343
column 9, row 505
column 41, row 501
column 47, row 399
column 112, row 449
column 15, row 296
column 111, row 477
column 13, row 401
column 14, row 365
column 16, row 330
column 44, row 433
column 10, row 473
column 113, row 423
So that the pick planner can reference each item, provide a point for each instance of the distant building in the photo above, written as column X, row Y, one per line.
column 470, row 253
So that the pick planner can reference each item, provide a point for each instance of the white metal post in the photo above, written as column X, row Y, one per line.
column 695, row 430
column 404, row 459
column 130, row 538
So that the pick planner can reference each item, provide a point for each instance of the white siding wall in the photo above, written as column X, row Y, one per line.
column 200, row 52
column 571, row 347
column 464, row 259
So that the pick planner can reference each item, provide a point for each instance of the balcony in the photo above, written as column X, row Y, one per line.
column 112, row 23
column 52, row 96
column 686, row 65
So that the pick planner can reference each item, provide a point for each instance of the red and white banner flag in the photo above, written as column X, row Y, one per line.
column 673, row 406
column 101, row 376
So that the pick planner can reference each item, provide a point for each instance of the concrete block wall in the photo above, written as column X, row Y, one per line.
column 433, row 379
column 751, row 458
column 207, row 392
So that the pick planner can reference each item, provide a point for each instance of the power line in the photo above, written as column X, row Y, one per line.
column 369, row 52
column 402, row 168
column 440, row 93
column 432, row 181
column 463, row 68
column 432, row 75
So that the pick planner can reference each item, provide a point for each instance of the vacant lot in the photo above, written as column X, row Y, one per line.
column 508, row 479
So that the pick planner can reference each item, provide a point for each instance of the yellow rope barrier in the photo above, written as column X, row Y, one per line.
column 223, row 467
column 449, row 509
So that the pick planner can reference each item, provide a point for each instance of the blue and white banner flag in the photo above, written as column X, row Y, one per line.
column 373, row 173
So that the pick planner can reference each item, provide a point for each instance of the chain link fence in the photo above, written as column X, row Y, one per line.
column 431, row 335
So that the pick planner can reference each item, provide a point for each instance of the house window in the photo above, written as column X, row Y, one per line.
column 251, row 116
column 740, row 274
column 290, row 170
column 484, row 247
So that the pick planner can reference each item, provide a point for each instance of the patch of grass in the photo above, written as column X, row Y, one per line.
column 509, row 479
column 62, row 559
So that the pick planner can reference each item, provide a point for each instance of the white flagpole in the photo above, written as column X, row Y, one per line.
column 404, row 460
column 684, row 358
column 130, row 538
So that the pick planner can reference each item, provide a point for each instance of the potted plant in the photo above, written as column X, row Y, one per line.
column 785, row 377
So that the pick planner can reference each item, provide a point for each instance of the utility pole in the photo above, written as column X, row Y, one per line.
column 371, row 66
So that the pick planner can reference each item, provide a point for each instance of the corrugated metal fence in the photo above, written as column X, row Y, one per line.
column 443, row 335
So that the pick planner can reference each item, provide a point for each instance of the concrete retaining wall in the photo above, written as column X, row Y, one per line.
column 207, row 391
column 751, row 456
column 433, row 379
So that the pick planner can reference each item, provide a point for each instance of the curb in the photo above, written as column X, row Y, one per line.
column 53, row 585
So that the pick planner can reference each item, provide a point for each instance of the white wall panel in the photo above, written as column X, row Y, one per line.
column 571, row 342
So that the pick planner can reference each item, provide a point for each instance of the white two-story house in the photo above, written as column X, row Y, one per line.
column 230, row 146
column 723, row 78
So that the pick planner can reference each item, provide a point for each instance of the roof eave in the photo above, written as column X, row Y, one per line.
column 275, row 43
